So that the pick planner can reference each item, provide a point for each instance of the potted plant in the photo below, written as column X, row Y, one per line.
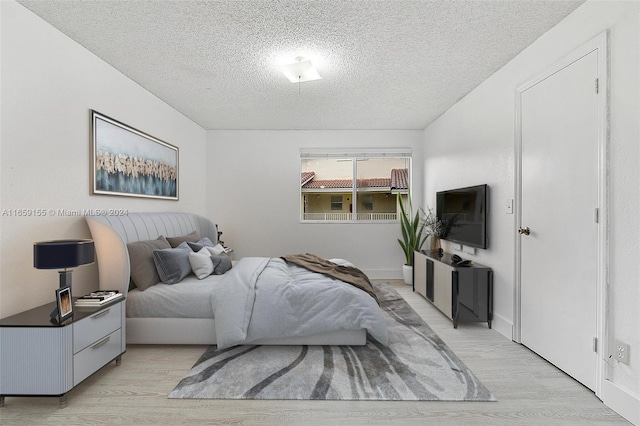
column 413, row 237
column 434, row 228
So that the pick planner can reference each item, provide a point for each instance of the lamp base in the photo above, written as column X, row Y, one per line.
column 65, row 278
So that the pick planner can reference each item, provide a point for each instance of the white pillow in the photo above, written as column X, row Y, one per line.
column 201, row 263
column 342, row 262
column 218, row 249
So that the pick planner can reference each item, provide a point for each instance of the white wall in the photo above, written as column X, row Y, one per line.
column 48, row 85
column 254, row 195
column 474, row 143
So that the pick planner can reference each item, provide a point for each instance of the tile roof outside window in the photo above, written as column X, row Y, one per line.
column 398, row 180
column 306, row 177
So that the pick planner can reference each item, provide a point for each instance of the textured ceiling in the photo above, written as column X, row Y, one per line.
column 392, row 64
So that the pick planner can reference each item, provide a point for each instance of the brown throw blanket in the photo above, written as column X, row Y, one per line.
column 348, row 274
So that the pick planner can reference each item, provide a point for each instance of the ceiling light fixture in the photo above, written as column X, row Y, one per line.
column 300, row 71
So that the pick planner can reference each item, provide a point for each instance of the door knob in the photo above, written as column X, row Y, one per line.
column 524, row 231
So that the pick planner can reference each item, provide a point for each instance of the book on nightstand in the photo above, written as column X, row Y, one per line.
column 98, row 298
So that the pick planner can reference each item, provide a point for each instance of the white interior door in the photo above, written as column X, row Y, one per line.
column 559, row 181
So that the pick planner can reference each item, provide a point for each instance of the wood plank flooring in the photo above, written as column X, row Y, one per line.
column 529, row 390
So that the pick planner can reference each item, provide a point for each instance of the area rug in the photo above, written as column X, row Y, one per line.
column 415, row 365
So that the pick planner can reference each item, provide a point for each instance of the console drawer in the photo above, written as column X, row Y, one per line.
column 94, row 357
column 97, row 326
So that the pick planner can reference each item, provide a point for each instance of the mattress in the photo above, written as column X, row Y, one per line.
column 190, row 298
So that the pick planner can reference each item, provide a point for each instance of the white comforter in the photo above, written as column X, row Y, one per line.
column 266, row 298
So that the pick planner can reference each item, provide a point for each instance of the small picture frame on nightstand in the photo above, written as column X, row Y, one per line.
column 64, row 302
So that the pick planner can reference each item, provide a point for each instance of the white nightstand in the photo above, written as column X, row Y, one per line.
column 40, row 358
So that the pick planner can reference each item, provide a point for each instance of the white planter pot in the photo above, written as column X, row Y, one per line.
column 407, row 273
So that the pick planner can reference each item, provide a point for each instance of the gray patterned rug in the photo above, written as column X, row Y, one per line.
column 416, row 365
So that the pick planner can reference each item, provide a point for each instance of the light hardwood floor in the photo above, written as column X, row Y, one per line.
column 529, row 390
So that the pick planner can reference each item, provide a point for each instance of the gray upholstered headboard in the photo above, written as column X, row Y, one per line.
column 111, row 234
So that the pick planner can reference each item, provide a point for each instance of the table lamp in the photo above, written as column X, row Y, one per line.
column 63, row 254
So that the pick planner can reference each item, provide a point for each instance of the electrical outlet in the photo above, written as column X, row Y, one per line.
column 470, row 250
column 621, row 352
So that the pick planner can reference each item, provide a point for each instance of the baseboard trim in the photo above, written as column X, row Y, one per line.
column 502, row 326
column 621, row 401
column 384, row 274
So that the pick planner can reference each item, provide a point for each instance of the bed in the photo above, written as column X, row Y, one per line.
column 171, row 314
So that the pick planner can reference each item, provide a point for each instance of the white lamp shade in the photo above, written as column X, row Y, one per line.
column 300, row 71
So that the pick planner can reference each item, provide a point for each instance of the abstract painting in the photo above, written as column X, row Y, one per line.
column 131, row 163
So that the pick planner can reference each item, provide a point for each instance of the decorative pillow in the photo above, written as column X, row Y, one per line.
column 172, row 263
column 215, row 250
column 143, row 270
column 197, row 246
column 201, row 263
column 176, row 241
column 221, row 263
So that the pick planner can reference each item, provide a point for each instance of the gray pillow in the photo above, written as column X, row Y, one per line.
column 143, row 272
column 173, row 263
column 193, row 237
column 221, row 263
column 197, row 246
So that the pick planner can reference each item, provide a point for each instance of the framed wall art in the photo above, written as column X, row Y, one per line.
column 128, row 162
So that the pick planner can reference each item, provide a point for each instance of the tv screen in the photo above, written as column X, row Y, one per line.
column 463, row 212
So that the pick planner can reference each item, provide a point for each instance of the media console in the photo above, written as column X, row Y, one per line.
column 462, row 293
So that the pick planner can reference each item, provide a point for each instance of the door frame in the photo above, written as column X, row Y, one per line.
column 599, row 44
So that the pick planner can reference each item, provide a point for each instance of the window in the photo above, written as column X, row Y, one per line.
column 336, row 202
column 366, row 202
column 343, row 186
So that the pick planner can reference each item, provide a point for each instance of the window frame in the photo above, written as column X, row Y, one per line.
column 354, row 155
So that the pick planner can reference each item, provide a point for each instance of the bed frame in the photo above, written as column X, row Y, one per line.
column 111, row 234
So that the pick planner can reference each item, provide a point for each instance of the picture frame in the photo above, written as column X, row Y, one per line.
column 64, row 303
column 128, row 162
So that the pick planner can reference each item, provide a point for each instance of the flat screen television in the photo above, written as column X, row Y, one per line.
column 463, row 212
